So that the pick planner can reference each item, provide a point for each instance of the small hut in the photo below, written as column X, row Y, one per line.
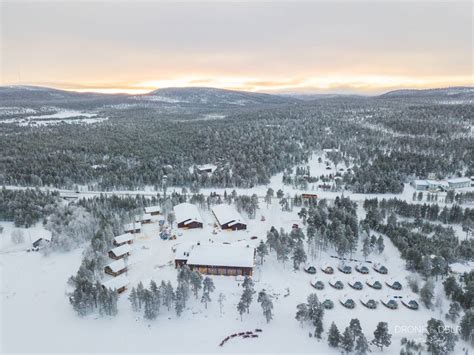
column 318, row 285
column 362, row 269
column 381, row 269
column 122, row 239
column 143, row 219
column 116, row 268
column 117, row 283
column 120, row 252
column 152, row 210
column 132, row 227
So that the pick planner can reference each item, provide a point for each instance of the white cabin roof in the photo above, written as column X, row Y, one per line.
column 122, row 250
column 123, row 238
column 132, row 226
column 142, row 218
column 117, row 265
column 227, row 214
column 459, row 180
column 187, row 212
column 152, row 209
column 230, row 255
column 116, row 282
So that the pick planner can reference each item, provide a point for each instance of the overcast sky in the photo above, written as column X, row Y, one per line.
column 332, row 46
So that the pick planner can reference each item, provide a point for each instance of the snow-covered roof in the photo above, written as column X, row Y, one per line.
column 43, row 234
column 421, row 182
column 227, row 214
column 187, row 213
column 152, row 209
column 459, row 180
column 132, row 226
column 145, row 217
column 231, row 255
column 203, row 167
column 459, row 268
column 116, row 282
column 182, row 251
column 121, row 250
column 117, row 265
column 123, row 238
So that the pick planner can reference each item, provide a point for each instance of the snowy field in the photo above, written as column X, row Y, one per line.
column 34, row 304
column 59, row 116
column 36, row 315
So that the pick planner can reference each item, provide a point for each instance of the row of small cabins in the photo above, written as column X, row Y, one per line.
column 450, row 184
column 187, row 216
column 122, row 249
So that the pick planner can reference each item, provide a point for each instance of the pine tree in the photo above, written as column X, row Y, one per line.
column 299, row 255
column 262, row 251
column 334, row 336
column 149, row 307
column 196, row 282
column 318, row 330
column 134, row 299
column 221, row 300
column 302, row 313
column 454, row 312
column 180, row 299
column 366, row 249
column 168, row 294
column 207, row 289
column 439, row 339
column 140, row 294
column 347, row 340
column 355, row 327
column 362, row 346
column 427, row 294
column 241, row 307
column 380, row 245
column 467, row 326
column 267, row 305
column 382, row 338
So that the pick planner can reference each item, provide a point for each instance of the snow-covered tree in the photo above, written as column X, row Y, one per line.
column 334, row 337
column 382, row 338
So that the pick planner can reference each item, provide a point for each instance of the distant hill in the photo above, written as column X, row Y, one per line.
column 459, row 92
column 213, row 97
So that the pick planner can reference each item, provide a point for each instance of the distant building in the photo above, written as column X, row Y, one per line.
column 459, row 183
column 144, row 219
column 152, row 210
column 206, row 168
column 132, row 227
column 187, row 216
column 421, row 185
column 218, row 259
column 42, row 238
column 117, row 283
column 122, row 239
column 120, row 252
column 308, row 196
column 228, row 217
column 116, row 268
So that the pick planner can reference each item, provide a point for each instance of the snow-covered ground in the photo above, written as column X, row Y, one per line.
column 59, row 116
column 36, row 315
column 35, row 307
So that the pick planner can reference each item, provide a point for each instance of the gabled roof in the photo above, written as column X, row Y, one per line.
column 227, row 214
column 122, row 250
column 123, row 238
column 230, row 255
column 132, row 226
column 116, row 282
column 187, row 213
column 152, row 209
column 144, row 217
column 459, row 180
column 117, row 265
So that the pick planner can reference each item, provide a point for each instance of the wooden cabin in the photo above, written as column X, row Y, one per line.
column 228, row 217
column 116, row 268
column 118, row 283
column 187, row 216
column 143, row 219
column 152, row 210
column 122, row 239
column 120, row 252
column 219, row 259
column 308, row 196
column 132, row 227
